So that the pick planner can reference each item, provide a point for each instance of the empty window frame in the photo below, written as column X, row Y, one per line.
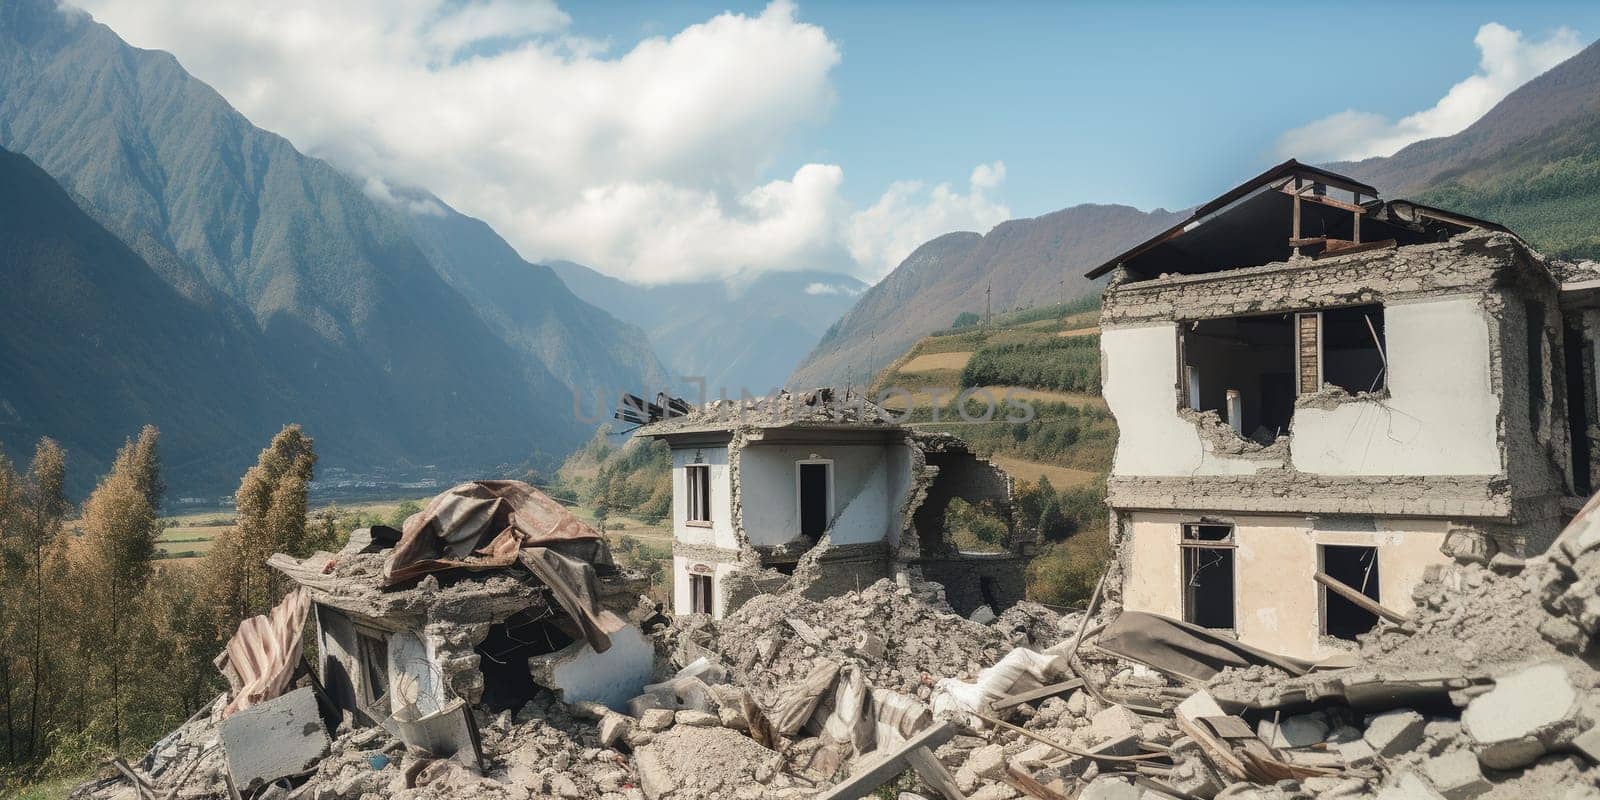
column 1343, row 347
column 372, row 650
column 814, row 494
column 1208, row 575
column 1357, row 568
column 1243, row 369
column 700, row 594
column 697, row 481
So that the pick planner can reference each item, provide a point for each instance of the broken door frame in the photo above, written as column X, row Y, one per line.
column 799, row 497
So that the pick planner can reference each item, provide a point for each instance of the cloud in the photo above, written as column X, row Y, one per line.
column 1506, row 61
column 910, row 213
column 831, row 289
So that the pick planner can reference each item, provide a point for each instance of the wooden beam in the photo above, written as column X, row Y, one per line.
column 885, row 770
column 1025, row 783
column 933, row 773
column 1040, row 693
column 1326, row 201
column 1364, row 602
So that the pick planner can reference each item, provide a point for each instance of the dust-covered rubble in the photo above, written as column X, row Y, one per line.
column 1488, row 689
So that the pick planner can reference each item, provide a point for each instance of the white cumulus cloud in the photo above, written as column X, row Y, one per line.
column 911, row 213
column 1506, row 61
column 655, row 163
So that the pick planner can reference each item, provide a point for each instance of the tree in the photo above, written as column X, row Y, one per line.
column 44, row 512
column 120, row 528
column 271, row 518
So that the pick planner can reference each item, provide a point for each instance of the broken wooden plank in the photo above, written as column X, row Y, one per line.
column 933, row 773
column 1028, row 785
column 1041, row 693
column 1362, row 601
column 891, row 765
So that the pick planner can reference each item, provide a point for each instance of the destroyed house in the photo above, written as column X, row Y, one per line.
column 492, row 592
column 826, row 494
column 1321, row 393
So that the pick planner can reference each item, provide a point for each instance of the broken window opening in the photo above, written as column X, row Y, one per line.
column 698, row 477
column 700, row 599
column 1356, row 567
column 373, row 652
column 1353, row 353
column 504, row 654
column 815, row 497
column 1535, row 340
column 1208, row 575
column 1242, row 369
column 1576, row 354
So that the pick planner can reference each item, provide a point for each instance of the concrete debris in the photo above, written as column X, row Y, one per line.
column 887, row 690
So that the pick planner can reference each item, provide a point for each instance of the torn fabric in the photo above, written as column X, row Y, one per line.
column 262, row 656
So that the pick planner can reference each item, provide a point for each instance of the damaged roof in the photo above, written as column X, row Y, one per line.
column 818, row 409
column 1252, row 224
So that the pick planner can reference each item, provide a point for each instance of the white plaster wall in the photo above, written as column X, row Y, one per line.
column 1277, row 602
column 580, row 674
column 1140, row 368
column 863, row 505
column 900, row 481
column 1440, row 416
column 720, row 534
column 411, row 662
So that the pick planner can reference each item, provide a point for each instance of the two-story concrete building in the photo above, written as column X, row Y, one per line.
column 1309, row 380
column 825, row 494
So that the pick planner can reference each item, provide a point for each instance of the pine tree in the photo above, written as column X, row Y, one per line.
column 271, row 518
column 119, row 543
column 44, row 512
column 11, row 571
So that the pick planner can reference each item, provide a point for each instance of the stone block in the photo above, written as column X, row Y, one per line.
column 1588, row 743
column 988, row 762
column 656, row 719
column 1198, row 705
column 1115, row 722
column 1395, row 732
column 614, row 727
column 282, row 736
column 1303, row 730
column 1456, row 775
column 696, row 719
column 1356, row 753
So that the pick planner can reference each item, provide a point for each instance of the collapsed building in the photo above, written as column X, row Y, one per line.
column 828, row 493
column 1321, row 394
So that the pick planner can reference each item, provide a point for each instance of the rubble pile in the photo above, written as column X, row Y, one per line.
column 902, row 638
column 1488, row 689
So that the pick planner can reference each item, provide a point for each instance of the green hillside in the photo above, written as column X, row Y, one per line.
column 1547, row 191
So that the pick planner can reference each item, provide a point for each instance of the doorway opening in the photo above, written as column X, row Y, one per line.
column 1357, row 568
column 816, row 498
column 1208, row 575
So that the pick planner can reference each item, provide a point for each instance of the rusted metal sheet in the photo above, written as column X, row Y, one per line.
column 261, row 658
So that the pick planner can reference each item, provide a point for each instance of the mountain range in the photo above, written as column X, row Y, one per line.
column 1532, row 163
column 386, row 333
column 744, row 333
column 1020, row 263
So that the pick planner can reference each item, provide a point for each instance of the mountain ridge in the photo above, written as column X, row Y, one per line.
column 373, row 350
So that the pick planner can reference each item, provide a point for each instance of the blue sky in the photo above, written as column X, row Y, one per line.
column 662, row 142
column 1148, row 104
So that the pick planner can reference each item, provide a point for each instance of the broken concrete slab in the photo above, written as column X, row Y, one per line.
column 1456, row 775
column 1526, row 714
column 1395, row 732
column 271, row 740
column 1115, row 722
